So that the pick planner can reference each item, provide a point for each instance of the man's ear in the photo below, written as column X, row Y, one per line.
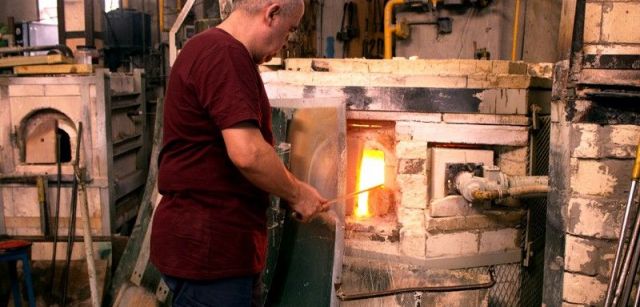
column 273, row 10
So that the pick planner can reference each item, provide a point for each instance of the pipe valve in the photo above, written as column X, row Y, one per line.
column 496, row 185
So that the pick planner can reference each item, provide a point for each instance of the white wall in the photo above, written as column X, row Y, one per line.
column 491, row 28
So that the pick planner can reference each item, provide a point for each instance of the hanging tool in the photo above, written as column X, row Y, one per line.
column 72, row 220
column 622, row 276
column 349, row 26
column 373, row 48
column 297, row 215
column 635, row 179
column 367, row 31
column 353, row 194
column 56, row 217
column 630, row 264
column 378, row 15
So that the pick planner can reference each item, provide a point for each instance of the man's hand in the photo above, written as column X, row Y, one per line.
column 308, row 202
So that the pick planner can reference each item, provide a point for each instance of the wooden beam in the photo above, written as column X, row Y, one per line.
column 53, row 69
column 567, row 19
column 34, row 60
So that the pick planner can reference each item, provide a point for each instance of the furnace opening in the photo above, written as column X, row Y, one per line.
column 371, row 162
column 65, row 146
column 371, row 174
column 39, row 137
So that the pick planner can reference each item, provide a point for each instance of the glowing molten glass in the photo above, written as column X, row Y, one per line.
column 371, row 174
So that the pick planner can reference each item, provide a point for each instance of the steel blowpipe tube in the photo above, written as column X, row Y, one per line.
column 614, row 290
column 629, row 272
column 635, row 177
column 620, row 251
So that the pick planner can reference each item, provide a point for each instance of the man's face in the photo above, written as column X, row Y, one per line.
column 277, row 33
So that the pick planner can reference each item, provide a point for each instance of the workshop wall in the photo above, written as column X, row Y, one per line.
column 19, row 9
column 490, row 28
column 542, row 21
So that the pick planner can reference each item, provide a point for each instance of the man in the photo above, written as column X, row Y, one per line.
column 217, row 164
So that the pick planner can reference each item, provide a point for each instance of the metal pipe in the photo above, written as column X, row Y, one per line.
column 620, row 251
column 475, row 188
column 623, row 287
column 89, row 23
column 63, row 49
column 530, row 190
column 519, row 181
column 173, row 50
column 359, row 296
column 298, row 216
column 161, row 16
column 516, row 21
column 635, row 173
column 62, row 29
column 389, row 28
column 523, row 191
column 630, row 274
column 71, row 227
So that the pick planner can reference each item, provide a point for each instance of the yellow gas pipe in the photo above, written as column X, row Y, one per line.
column 516, row 24
column 390, row 29
column 161, row 16
column 635, row 174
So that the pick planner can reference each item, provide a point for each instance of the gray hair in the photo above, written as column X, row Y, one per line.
column 254, row 6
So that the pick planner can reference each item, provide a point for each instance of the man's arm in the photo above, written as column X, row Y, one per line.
column 259, row 163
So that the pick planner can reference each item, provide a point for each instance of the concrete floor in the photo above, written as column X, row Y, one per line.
column 78, row 291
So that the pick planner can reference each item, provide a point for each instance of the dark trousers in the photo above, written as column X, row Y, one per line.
column 231, row 292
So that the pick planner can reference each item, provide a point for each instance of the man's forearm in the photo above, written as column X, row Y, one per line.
column 269, row 174
column 258, row 161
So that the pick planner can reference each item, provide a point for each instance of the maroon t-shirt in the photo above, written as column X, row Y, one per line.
column 211, row 222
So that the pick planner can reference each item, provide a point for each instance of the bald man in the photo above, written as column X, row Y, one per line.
column 218, row 165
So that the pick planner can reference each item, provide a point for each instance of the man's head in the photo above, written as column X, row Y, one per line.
column 254, row 6
column 272, row 21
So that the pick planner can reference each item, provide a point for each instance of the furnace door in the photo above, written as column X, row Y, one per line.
column 309, row 254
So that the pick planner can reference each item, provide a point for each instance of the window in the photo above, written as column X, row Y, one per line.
column 110, row 5
column 48, row 11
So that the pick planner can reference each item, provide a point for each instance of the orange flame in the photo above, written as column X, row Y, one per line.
column 371, row 174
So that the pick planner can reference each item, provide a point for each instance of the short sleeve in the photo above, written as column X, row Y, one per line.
column 226, row 84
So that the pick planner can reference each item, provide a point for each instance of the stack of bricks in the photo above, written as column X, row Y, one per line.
column 435, row 228
column 497, row 87
column 598, row 180
column 594, row 142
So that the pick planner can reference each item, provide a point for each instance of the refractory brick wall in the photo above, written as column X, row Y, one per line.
column 441, row 111
column 593, row 142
